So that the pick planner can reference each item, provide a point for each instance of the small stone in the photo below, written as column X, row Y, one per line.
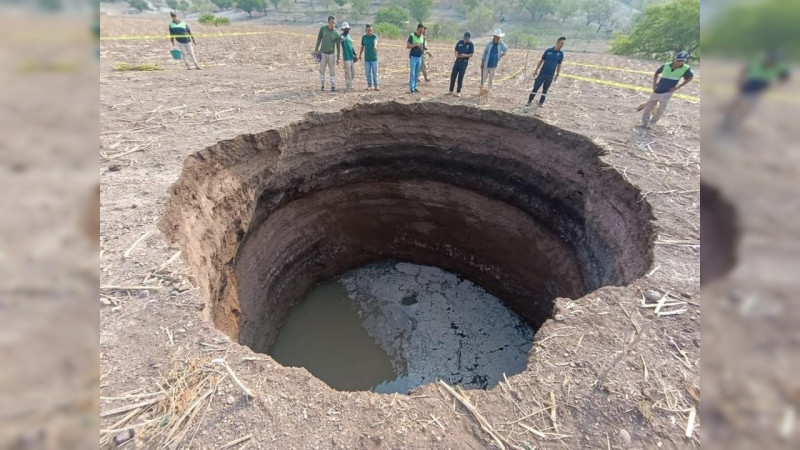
column 123, row 437
column 144, row 293
column 626, row 437
column 559, row 317
column 115, row 167
column 134, row 206
column 230, row 400
column 652, row 296
column 180, row 330
column 104, row 302
column 659, row 444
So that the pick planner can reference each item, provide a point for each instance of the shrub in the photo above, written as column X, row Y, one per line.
column 221, row 21
column 520, row 39
column 480, row 19
column 206, row 18
column 388, row 31
column 392, row 14
column 662, row 30
column 445, row 30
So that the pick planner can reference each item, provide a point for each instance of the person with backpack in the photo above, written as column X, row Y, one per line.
column 328, row 41
column 416, row 45
column 369, row 48
column 348, row 55
column 179, row 31
column 663, row 87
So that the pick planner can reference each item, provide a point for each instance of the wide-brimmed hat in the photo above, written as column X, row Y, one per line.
column 345, row 26
column 498, row 32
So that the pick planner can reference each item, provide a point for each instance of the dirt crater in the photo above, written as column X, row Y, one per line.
column 524, row 209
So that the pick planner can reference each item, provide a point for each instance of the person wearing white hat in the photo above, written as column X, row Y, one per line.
column 494, row 51
column 348, row 55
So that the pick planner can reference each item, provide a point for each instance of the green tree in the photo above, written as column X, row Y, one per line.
column 392, row 14
column 537, row 8
column 748, row 29
column 469, row 5
column 341, row 3
column 359, row 8
column 201, row 6
column 173, row 4
column 420, row 9
column 139, row 5
column 222, row 4
column 275, row 3
column 566, row 9
column 480, row 19
column 661, row 30
column 599, row 12
column 249, row 6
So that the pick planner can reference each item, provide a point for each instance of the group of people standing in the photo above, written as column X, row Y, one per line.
column 332, row 47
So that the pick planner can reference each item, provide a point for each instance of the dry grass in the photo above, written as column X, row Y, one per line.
column 144, row 67
column 169, row 414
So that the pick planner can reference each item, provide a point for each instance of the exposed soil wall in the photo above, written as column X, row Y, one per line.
column 524, row 209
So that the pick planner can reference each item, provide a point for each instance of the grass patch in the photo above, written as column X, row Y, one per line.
column 145, row 67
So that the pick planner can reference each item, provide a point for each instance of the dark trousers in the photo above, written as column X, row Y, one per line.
column 542, row 81
column 459, row 69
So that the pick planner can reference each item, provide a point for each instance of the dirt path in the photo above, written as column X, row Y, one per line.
column 610, row 365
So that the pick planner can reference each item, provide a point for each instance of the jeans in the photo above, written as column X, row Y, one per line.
column 371, row 70
column 459, row 69
column 414, row 64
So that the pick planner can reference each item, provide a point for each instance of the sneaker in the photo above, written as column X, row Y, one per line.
column 322, row 88
column 449, row 93
column 333, row 88
column 528, row 105
column 376, row 88
column 458, row 94
column 198, row 68
column 369, row 88
column 416, row 90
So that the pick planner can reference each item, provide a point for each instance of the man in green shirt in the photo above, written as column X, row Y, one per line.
column 369, row 47
column 328, row 41
column 348, row 55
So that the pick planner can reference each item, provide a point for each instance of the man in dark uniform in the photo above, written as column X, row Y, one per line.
column 550, row 64
column 179, row 31
column 464, row 51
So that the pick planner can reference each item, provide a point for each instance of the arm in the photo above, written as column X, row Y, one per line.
column 190, row 34
column 655, row 77
column 409, row 46
column 319, row 40
column 171, row 38
column 686, row 81
column 538, row 66
column 338, row 50
column 558, row 71
column 361, row 51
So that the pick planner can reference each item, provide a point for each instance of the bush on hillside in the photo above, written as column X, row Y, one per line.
column 520, row 39
column 206, row 18
column 480, row 19
column 392, row 14
column 445, row 30
column 388, row 31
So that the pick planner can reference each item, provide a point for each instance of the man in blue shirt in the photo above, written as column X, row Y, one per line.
column 492, row 53
column 415, row 43
column 550, row 64
column 464, row 51
column 663, row 88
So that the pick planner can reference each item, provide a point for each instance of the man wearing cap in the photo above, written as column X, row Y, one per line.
column 348, row 55
column 492, row 54
column 663, row 88
column 551, row 69
column 415, row 43
column 464, row 51
column 754, row 81
column 179, row 31
column 328, row 41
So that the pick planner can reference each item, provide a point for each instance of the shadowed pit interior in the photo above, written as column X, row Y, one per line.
column 524, row 209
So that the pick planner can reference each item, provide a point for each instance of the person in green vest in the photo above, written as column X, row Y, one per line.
column 348, row 55
column 415, row 44
column 328, row 41
column 754, row 81
column 369, row 48
column 179, row 31
column 670, row 75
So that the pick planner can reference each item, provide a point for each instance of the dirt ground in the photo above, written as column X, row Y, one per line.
column 611, row 374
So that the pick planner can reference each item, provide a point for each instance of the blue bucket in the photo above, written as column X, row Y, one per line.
column 176, row 54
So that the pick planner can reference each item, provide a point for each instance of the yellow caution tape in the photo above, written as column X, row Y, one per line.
column 625, row 86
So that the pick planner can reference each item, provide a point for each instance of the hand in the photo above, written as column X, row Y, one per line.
column 673, row 90
column 555, row 78
column 535, row 72
column 337, row 61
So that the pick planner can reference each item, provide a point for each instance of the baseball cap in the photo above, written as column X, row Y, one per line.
column 467, row 35
column 345, row 26
column 682, row 56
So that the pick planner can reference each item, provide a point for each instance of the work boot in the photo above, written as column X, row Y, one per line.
column 333, row 88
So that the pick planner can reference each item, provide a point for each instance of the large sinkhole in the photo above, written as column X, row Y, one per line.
column 500, row 213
